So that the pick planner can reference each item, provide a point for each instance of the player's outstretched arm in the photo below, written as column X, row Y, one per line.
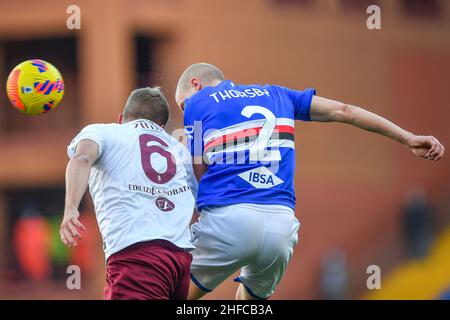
column 77, row 176
column 326, row 110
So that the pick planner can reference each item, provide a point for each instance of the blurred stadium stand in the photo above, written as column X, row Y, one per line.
column 419, row 279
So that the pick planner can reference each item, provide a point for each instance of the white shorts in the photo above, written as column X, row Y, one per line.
column 258, row 239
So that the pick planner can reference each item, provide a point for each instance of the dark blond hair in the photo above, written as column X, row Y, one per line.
column 147, row 103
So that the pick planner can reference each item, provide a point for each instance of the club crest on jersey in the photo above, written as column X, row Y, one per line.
column 261, row 178
column 164, row 204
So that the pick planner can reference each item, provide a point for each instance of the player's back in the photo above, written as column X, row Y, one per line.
column 139, row 184
column 246, row 133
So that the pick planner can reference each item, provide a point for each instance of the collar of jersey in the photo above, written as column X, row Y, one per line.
column 204, row 90
column 146, row 120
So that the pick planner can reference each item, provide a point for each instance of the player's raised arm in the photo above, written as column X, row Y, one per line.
column 326, row 110
column 77, row 176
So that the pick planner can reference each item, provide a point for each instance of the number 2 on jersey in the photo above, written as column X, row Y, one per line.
column 258, row 151
column 147, row 150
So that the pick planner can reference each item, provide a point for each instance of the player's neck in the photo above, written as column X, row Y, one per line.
column 213, row 83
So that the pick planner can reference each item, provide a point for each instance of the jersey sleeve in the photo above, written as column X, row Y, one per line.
column 94, row 132
column 185, row 159
column 301, row 100
column 191, row 179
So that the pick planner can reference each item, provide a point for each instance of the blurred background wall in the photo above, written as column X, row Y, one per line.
column 362, row 200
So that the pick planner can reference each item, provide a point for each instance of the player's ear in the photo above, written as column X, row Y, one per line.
column 120, row 119
column 196, row 84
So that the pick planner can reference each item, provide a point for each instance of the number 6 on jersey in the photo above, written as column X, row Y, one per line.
column 147, row 150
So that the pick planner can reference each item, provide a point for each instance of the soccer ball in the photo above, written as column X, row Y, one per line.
column 35, row 87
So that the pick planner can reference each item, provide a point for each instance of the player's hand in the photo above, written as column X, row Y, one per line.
column 70, row 227
column 427, row 147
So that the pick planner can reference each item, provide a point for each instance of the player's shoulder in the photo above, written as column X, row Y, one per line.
column 170, row 139
column 276, row 88
column 101, row 130
column 100, row 126
column 258, row 88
